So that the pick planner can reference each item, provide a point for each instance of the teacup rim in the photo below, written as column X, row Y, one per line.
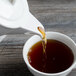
column 43, row 73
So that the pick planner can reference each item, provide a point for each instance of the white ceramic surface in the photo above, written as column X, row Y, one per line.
column 50, row 35
column 15, row 14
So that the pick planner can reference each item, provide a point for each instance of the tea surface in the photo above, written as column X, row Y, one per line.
column 59, row 57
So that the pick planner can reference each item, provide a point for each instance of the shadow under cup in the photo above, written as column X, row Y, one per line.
column 55, row 36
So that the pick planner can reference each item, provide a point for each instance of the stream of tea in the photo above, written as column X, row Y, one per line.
column 44, row 42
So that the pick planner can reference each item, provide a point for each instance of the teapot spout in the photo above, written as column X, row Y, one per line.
column 31, row 23
column 26, row 21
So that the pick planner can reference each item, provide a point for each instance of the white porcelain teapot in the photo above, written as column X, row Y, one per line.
column 15, row 14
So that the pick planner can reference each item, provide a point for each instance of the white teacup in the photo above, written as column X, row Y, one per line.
column 50, row 35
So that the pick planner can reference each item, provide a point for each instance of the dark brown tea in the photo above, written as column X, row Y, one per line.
column 59, row 57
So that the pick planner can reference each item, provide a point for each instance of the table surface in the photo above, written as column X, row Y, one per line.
column 55, row 15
